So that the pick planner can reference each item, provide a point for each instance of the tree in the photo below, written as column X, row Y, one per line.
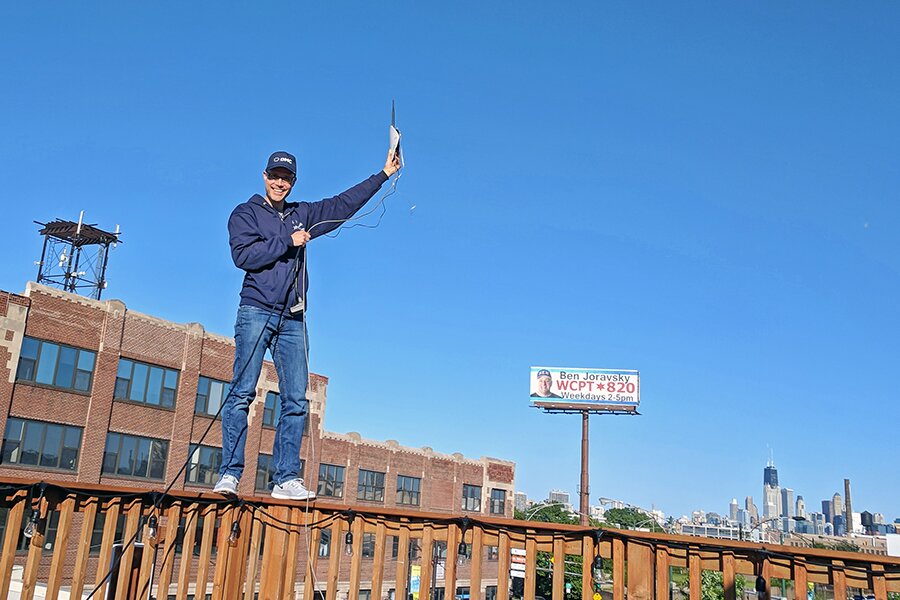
column 630, row 518
column 549, row 512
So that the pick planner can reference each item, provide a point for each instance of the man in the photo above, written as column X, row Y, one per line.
column 268, row 236
column 544, row 381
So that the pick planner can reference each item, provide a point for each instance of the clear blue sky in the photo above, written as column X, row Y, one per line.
column 706, row 192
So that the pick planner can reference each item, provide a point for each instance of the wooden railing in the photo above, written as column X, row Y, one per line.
column 272, row 548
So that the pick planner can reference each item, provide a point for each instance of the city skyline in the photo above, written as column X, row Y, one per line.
column 810, row 500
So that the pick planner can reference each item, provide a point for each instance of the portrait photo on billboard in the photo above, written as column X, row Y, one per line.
column 542, row 384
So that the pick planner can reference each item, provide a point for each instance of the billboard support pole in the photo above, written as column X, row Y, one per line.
column 584, row 506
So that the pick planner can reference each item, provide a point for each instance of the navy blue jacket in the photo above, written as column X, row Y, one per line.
column 260, row 241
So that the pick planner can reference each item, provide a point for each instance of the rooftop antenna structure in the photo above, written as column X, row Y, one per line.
column 75, row 256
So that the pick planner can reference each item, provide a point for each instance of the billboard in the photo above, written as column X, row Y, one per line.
column 580, row 389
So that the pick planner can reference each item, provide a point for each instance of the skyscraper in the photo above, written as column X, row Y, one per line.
column 752, row 513
column 771, row 498
column 733, row 509
column 801, row 507
column 787, row 502
column 837, row 506
column 828, row 510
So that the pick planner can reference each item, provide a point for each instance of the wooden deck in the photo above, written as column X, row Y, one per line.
column 273, row 549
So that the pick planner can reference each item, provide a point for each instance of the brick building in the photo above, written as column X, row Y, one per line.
column 93, row 392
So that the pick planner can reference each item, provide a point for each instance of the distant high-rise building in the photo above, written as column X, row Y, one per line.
column 771, row 498
column 878, row 518
column 559, row 496
column 752, row 512
column 828, row 510
column 787, row 502
column 801, row 507
column 837, row 506
column 770, row 475
column 733, row 509
column 840, row 525
column 521, row 501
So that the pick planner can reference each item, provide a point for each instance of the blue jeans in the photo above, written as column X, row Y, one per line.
column 255, row 331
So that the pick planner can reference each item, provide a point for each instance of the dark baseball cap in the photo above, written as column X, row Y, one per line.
column 543, row 373
column 282, row 160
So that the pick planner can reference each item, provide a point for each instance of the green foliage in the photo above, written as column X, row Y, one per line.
column 630, row 518
column 548, row 513
column 842, row 546
column 543, row 584
column 712, row 584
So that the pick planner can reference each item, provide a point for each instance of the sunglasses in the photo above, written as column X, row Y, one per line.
column 290, row 179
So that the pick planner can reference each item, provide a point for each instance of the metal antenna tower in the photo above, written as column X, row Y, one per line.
column 75, row 256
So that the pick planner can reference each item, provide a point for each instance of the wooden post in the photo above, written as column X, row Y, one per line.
column 60, row 546
column 640, row 571
column 173, row 518
column 878, row 584
column 109, row 536
column 839, row 579
column 292, row 553
column 695, row 571
column 450, row 563
column 559, row 568
column 618, row 557
column 356, row 559
column 427, row 550
column 587, row 562
column 728, row 577
column 530, row 567
column 312, row 559
column 662, row 573
column 11, row 540
column 88, row 516
column 503, row 567
column 801, row 580
column 378, row 561
column 475, row 568
column 403, row 564
column 206, row 545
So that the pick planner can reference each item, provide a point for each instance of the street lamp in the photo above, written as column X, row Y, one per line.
column 651, row 517
column 538, row 508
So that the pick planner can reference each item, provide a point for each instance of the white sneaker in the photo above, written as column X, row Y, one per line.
column 292, row 489
column 227, row 485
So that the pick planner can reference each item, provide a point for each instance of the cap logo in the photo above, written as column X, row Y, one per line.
column 283, row 159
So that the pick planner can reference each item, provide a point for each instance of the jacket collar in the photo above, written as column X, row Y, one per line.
column 261, row 201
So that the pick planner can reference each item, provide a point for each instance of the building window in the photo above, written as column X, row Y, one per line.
column 490, row 592
column 324, row 543
column 408, row 490
column 203, row 465
column 133, row 456
column 368, row 545
column 56, row 365
column 462, row 592
column 210, row 395
column 23, row 542
column 42, row 445
column 331, row 481
column 139, row 382
column 370, row 486
column 271, row 410
column 265, row 470
column 471, row 497
column 97, row 532
column 498, row 502
column 493, row 552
